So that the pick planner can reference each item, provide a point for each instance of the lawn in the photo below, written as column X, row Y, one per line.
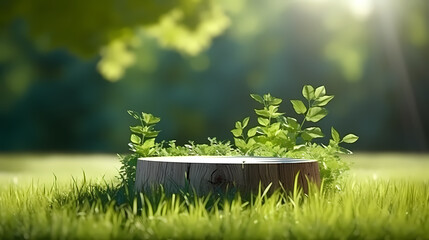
column 75, row 196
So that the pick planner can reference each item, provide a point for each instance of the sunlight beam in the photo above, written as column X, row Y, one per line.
column 410, row 114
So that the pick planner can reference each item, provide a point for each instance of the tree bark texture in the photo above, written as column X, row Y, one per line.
column 217, row 174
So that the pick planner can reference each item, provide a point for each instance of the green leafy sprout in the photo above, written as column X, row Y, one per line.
column 275, row 135
column 143, row 135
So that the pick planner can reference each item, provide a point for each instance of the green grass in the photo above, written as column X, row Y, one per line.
column 390, row 166
column 383, row 197
column 43, row 168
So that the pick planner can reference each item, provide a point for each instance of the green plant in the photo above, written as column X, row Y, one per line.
column 275, row 135
column 127, row 171
column 279, row 134
column 214, row 148
column 142, row 144
column 283, row 136
column 143, row 135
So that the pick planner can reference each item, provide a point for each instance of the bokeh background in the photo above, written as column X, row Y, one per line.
column 69, row 71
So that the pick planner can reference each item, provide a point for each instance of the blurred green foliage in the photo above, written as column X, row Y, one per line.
column 371, row 54
column 111, row 28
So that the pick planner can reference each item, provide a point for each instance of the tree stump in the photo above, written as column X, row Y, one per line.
column 213, row 174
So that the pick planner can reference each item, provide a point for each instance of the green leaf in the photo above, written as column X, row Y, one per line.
column 240, row 143
column 267, row 98
column 238, row 125
column 135, row 139
column 260, row 139
column 282, row 134
column 306, row 137
column 134, row 114
column 151, row 134
column 237, row 132
column 245, row 122
column 151, row 151
column 298, row 106
column 252, row 132
column 142, row 151
column 308, row 92
column 272, row 110
column 332, row 143
column 148, row 143
column 314, row 114
column 292, row 122
column 154, row 120
column 314, row 132
column 251, row 142
column 137, row 129
column 335, row 135
column 276, row 115
column 257, row 98
column 275, row 126
column 146, row 117
column 320, row 92
column 262, row 112
column 350, row 138
column 263, row 121
column 272, row 130
column 150, row 119
column 322, row 101
column 276, row 101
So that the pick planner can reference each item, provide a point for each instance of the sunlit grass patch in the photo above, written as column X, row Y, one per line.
column 362, row 209
column 44, row 168
column 95, row 208
column 389, row 166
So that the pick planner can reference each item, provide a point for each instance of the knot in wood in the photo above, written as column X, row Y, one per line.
column 218, row 177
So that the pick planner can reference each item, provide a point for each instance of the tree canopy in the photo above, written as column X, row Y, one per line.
column 111, row 27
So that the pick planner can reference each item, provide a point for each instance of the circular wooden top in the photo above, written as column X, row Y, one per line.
column 226, row 160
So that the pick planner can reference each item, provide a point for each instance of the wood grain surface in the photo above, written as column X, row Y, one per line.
column 214, row 174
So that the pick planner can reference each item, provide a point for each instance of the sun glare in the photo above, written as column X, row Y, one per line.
column 361, row 8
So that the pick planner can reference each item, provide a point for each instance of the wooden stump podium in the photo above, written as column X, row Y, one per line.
column 213, row 174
